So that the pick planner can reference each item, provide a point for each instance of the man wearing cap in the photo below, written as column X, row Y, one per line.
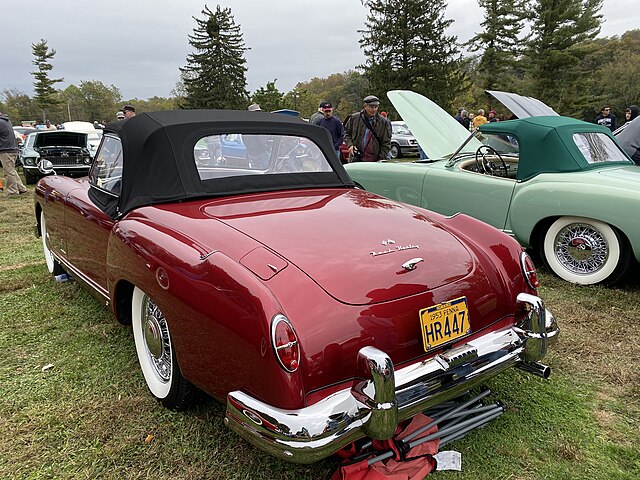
column 128, row 111
column 332, row 124
column 120, row 115
column 492, row 117
column 367, row 134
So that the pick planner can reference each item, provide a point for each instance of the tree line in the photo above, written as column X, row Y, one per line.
column 547, row 49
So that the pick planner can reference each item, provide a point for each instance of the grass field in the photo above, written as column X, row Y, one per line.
column 89, row 415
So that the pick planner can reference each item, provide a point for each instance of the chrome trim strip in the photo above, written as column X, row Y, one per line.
column 79, row 276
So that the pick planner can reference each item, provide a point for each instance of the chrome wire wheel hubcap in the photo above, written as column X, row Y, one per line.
column 157, row 340
column 581, row 249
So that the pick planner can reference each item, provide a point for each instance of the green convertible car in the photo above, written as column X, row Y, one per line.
column 558, row 185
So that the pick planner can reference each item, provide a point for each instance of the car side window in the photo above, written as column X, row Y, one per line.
column 106, row 172
column 30, row 139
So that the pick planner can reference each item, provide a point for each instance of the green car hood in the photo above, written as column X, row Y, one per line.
column 437, row 132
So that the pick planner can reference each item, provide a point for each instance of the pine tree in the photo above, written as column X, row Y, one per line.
column 214, row 76
column 498, row 41
column 46, row 96
column 406, row 47
column 560, row 32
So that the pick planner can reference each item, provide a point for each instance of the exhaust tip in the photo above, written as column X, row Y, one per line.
column 536, row 368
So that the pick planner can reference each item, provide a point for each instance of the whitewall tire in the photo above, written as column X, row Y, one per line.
column 156, row 353
column 585, row 251
column 53, row 266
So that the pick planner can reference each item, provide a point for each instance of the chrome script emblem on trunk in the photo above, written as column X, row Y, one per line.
column 398, row 248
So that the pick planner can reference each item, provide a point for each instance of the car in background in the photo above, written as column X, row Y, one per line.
column 21, row 133
column 19, row 138
column 560, row 186
column 68, row 152
column 402, row 141
column 94, row 135
column 318, row 312
column 228, row 149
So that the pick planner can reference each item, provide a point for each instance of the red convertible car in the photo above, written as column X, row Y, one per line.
column 319, row 312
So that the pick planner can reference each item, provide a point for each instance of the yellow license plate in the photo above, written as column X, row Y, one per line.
column 444, row 322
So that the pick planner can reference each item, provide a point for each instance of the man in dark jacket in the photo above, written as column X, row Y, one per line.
column 332, row 124
column 367, row 133
column 606, row 118
column 8, row 156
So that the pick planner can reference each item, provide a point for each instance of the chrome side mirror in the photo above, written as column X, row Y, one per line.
column 46, row 167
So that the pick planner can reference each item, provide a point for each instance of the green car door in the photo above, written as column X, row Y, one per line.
column 449, row 190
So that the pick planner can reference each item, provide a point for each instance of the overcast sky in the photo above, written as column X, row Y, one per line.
column 138, row 45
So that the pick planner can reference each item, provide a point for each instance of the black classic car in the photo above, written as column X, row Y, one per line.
column 68, row 152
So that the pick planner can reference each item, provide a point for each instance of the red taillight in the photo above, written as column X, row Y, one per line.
column 285, row 343
column 529, row 270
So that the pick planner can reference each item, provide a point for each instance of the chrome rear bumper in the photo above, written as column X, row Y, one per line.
column 381, row 397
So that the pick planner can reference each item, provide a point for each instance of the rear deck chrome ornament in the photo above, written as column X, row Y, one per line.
column 411, row 264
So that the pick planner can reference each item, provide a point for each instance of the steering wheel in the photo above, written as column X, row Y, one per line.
column 486, row 164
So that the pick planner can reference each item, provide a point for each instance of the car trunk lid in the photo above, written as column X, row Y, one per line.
column 394, row 251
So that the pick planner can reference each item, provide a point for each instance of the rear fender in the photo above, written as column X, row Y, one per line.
column 218, row 311
column 532, row 204
column 494, row 247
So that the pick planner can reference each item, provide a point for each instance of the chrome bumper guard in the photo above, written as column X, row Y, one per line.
column 381, row 397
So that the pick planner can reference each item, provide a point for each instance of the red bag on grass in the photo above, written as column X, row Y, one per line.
column 414, row 465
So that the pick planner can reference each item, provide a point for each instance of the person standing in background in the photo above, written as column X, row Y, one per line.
column 606, row 118
column 317, row 115
column 332, row 124
column 128, row 111
column 367, row 133
column 458, row 116
column 629, row 137
column 8, row 157
column 466, row 121
column 479, row 119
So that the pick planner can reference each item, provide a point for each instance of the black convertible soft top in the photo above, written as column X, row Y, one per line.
column 158, row 159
